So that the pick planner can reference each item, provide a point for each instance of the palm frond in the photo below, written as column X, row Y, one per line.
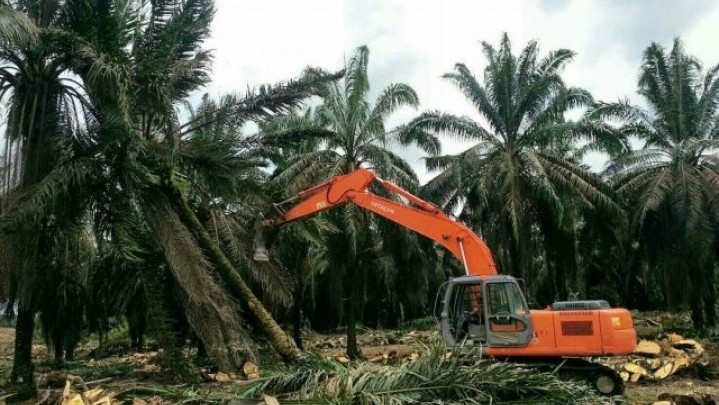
column 17, row 30
column 438, row 122
column 619, row 112
column 654, row 192
column 292, row 130
column 307, row 169
column 356, row 80
column 231, row 233
column 28, row 207
column 391, row 98
column 542, row 183
column 555, row 61
column 589, row 185
column 389, row 166
column 628, row 162
column 212, row 313
column 262, row 103
column 437, row 377
column 471, row 88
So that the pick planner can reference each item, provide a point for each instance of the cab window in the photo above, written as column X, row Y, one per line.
column 505, row 298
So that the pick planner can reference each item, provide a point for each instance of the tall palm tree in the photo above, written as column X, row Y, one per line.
column 45, row 109
column 353, row 134
column 670, row 183
column 522, row 176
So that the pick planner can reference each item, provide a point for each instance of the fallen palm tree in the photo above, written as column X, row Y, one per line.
column 437, row 376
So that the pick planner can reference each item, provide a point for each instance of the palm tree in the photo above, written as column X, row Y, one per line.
column 45, row 108
column 135, row 175
column 670, row 183
column 353, row 135
column 185, row 177
column 521, row 180
column 152, row 168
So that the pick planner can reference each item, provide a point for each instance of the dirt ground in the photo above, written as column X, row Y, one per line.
column 132, row 372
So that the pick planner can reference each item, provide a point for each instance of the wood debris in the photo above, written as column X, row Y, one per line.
column 270, row 400
column 222, row 377
column 149, row 369
column 378, row 358
column 663, row 371
column 659, row 359
column 674, row 338
column 251, row 371
column 79, row 394
column 635, row 369
column 648, row 348
column 692, row 399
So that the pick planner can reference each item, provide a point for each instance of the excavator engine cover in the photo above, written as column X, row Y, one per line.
column 580, row 305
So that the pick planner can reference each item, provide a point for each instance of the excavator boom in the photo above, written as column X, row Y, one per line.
column 412, row 213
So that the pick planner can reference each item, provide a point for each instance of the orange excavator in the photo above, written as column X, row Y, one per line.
column 482, row 310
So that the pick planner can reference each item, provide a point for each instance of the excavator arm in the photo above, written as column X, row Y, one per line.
column 415, row 214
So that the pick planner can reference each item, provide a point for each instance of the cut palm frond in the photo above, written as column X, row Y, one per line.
column 437, row 377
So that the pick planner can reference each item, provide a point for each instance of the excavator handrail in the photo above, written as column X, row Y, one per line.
column 418, row 215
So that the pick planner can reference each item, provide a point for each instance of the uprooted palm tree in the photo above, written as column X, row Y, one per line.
column 521, row 177
column 670, row 184
column 353, row 134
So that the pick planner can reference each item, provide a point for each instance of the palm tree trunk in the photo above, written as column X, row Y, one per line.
column 697, row 307
column 710, row 300
column 352, row 290
column 352, row 349
column 58, row 344
column 297, row 298
column 22, row 377
column 7, row 157
column 278, row 338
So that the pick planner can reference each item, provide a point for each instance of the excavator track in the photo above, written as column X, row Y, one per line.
column 605, row 380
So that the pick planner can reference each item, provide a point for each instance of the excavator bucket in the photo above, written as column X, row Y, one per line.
column 260, row 242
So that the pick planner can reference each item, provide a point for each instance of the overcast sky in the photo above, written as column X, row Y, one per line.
column 416, row 41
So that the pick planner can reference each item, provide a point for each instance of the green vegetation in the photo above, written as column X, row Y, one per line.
column 437, row 377
column 121, row 203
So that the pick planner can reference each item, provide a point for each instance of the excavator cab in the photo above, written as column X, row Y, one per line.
column 484, row 311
